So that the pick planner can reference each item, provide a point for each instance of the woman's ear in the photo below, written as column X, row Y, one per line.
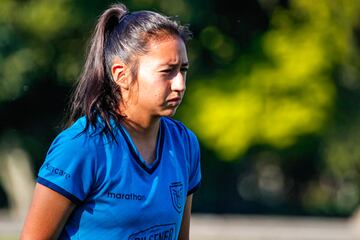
column 118, row 71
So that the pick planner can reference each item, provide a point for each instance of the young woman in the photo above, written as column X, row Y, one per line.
column 123, row 168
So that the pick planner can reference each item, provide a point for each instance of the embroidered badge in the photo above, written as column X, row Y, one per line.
column 176, row 192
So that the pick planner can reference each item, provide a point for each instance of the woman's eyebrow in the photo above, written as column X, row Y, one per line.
column 184, row 64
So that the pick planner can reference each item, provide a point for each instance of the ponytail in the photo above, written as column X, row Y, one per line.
column 96, row 94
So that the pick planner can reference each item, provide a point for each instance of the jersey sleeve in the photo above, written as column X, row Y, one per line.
column 195, row 169
column 69, row 166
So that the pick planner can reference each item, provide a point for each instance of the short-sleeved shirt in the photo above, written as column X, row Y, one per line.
column 118, row 195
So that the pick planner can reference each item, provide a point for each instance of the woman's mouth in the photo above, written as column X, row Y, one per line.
column 174, row 101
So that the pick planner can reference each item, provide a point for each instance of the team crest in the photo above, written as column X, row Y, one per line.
column 176, row 192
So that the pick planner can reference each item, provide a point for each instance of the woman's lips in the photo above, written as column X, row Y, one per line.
column 174, row 101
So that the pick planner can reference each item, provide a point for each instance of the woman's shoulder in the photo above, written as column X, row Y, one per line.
column 174, row 124
column 78, row 133
column 178, row 127
column 76, row 129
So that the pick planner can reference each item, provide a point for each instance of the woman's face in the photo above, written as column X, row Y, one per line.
column 161, row 78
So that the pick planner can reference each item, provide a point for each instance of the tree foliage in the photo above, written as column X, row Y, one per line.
column 272, row 94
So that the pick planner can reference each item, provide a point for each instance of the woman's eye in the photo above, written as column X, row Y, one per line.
column 174, row 70
column 167, row 71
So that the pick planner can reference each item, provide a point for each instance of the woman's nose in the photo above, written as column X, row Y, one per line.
column 178, row 82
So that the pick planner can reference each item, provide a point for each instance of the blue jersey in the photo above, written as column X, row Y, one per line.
column 118, row 195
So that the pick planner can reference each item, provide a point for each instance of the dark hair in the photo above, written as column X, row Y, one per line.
column 118, row 33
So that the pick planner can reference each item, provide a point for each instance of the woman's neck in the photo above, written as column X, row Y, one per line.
column 142, row 127
column 136, row 119
column 139, row 122
column 144, row 134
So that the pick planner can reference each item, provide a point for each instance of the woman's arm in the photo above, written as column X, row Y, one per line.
column 185, row 224
column 48, row 213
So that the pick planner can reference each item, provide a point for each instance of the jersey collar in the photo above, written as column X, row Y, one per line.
column 149, row 168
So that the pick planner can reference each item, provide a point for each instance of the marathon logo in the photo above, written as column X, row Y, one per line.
column 158, row 232
column 126, row 196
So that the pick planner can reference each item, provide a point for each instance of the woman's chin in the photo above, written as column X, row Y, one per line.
column 169, row 112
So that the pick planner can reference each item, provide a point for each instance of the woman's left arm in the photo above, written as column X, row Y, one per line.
column 185, row 224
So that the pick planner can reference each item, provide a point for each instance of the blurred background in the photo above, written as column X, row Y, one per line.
column 273, row 96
